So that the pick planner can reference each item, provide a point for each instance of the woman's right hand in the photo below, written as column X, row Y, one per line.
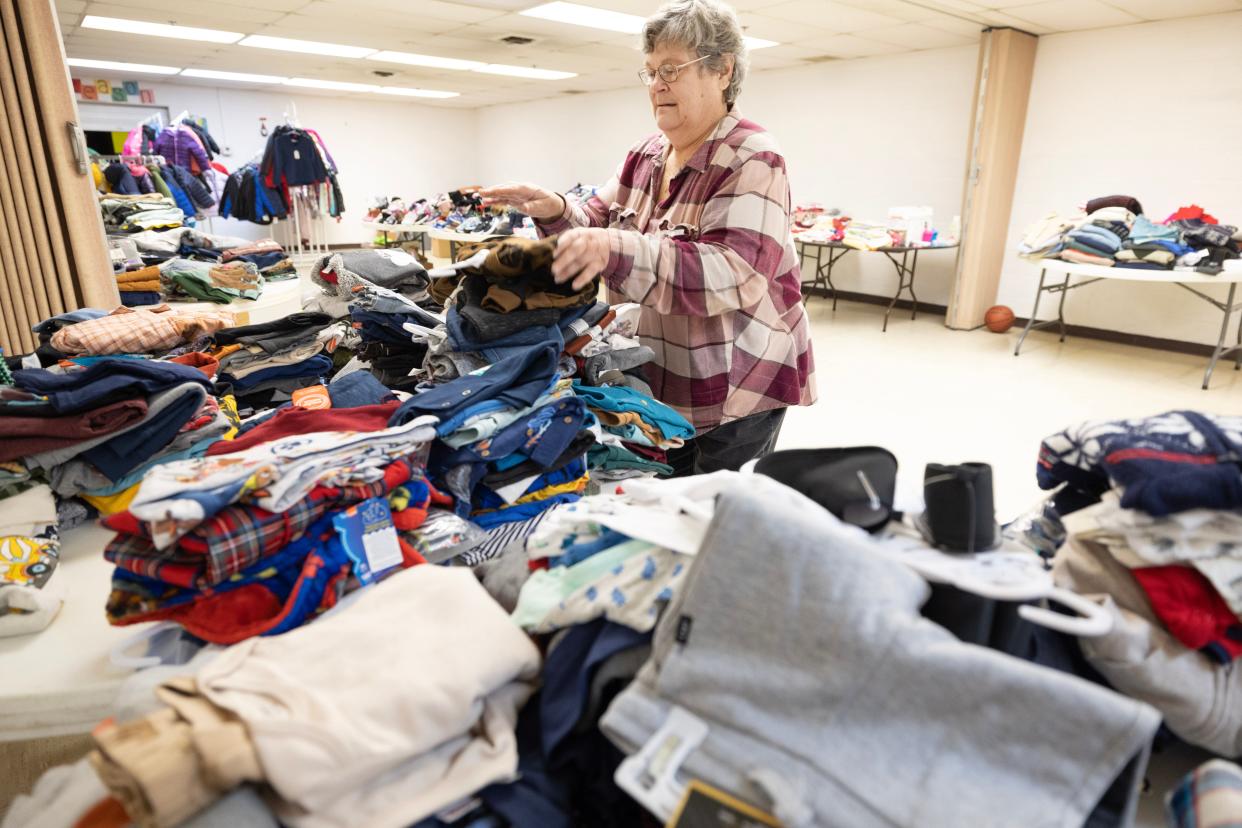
column 535, row 202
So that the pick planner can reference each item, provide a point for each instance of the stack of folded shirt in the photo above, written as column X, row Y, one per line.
column 220, row 544
column 139, row 287
column 635, row 432
column 105, row 421
column 862, row 235
column 1093, row 242
column 504, row 299
column 513, row 439
column 608, row 351
column 135, row 213
column 1046, row 238
column 266, row 255
column 1213, row 244
column 137, row 331
column 267, row 362
column 210, row 282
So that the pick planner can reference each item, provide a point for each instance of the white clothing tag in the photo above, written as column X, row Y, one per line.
column 650, row 776
column 382, row 549
column 451, row 270
column 297, row 155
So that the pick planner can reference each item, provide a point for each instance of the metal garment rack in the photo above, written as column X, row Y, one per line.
column 905, row 259
column 1099, row 273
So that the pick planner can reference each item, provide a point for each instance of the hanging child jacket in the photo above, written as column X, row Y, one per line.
column 181, row 146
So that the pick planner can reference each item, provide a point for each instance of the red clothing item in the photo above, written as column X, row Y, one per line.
column 24, row 436
column 1192, row 610
column 290, row 421
column 1194, row 211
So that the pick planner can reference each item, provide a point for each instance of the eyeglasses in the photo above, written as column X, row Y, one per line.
column 667, row 73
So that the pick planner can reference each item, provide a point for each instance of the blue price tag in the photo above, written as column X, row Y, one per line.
column 369, row 538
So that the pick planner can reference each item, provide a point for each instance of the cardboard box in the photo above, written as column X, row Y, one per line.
column 441, row 249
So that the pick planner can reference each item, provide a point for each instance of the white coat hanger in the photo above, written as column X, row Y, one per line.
column 185, row 113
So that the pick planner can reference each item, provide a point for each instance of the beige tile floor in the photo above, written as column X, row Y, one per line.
column 929, row 394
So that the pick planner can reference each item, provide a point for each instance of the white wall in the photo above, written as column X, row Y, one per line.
column 397, row 149
column 1154, row 111
column 863, row 135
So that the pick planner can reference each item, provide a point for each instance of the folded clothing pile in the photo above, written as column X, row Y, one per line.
column 267, row 255
column 198, row 281
column 134, row 213
column 97, row 428
column 863, row 235
column 635, row 433
column 244, row 541
column 265, row 363
column 406, row 741
column 139, row 287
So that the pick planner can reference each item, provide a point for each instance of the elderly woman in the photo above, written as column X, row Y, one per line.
column 695, row 227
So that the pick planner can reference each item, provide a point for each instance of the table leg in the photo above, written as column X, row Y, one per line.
column 902, row 271
column 914, row 300
column 1227, row 312
column 832, row 260
column 1061, row 306
column 1030, row 322
column 1237, row 355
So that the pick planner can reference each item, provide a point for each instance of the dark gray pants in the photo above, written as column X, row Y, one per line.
column 729, row 446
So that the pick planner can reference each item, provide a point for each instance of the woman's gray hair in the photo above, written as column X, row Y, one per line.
column 706, row 27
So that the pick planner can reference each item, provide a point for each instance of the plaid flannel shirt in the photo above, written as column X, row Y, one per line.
column 238, row 536
column 138, row 331
column 715, row 269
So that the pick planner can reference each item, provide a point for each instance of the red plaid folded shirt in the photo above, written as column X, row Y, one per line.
column 715, row 269
column 238, row 536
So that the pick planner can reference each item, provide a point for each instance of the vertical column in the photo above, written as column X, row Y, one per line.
column 1002, row 89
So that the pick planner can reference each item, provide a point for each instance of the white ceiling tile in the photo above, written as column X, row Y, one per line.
column 918, row 36
column 968, row 28
column 756, row 24
column 70, row 6
column 641, row 8
column 898, row 9
column 68, row 21
column 1164, row 10
column 1073, row 15
column 283, row 6
column 960, row 6
column 229, row 18
column 850, row 46
column 996, row 18
column 830, row 15
column 502, row 5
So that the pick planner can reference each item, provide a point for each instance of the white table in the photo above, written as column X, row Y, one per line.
column 1090, row 274
column 61, row 681
column 397, row 230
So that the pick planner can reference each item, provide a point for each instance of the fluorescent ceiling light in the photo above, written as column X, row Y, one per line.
column 525, row 72
column 589, row 16
column 143, row 27
column 411, row 59
column 246, row 77
column 337, row 86
column 417, row 93
column 309, row 47
column 137, row 68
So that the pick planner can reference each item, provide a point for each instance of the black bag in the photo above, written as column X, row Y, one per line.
column 855, row 484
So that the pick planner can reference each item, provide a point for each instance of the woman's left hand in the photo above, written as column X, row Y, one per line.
column 581, row 255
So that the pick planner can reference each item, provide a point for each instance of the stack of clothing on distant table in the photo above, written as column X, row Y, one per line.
column 1114, row 232
column 1154, row 512
column 198, row 281
column 135, row 213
